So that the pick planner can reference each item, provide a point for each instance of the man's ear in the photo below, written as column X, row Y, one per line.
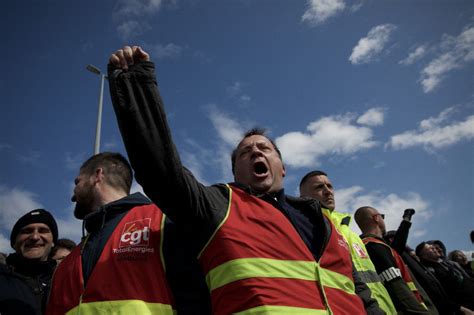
column 284, row 170
column 99, row 175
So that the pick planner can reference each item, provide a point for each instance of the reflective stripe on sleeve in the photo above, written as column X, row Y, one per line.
column 369, row 276
column 390, row 274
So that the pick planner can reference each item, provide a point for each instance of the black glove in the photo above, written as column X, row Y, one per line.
column 408, row 213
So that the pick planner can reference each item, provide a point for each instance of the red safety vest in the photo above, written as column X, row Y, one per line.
column 128, row 278
column 401, row 266
column 256, row 263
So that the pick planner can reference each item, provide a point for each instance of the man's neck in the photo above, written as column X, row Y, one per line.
column 374, row 231
column 109, row 195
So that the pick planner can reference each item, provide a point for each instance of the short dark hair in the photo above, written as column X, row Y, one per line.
column 62, row 243
column 311, row 174
column 256, row 131
column 118, row 171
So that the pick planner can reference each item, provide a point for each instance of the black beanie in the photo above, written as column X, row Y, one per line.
column 419, row 248
column 35, row 216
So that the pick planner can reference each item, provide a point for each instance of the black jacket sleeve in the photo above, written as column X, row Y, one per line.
column 142, row 122
column 403, row 298
column 401, row 236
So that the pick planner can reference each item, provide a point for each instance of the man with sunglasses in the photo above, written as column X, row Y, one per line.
column 388, row 263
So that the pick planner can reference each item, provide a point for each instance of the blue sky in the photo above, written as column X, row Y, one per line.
column 379, row 94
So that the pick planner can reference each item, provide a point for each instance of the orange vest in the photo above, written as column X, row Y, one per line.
column 128, row 278
column 401, row 266
column 256, row 262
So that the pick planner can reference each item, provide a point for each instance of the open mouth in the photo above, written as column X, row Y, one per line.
column 260, row 168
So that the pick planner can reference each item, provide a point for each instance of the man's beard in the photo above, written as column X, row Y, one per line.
column 84, row 204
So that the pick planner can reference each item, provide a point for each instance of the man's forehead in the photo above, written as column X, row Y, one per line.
column 320, row 179
column 253, row 139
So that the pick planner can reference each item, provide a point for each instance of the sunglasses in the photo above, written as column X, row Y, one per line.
column 380, row 214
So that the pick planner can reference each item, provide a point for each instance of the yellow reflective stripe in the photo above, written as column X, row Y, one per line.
column 245, row 268
column 282, row 310
column 122, row 307
column 332, row 279
column 412, row 286
column 220, row 224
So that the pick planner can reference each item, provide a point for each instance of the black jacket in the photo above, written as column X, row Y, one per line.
column 158, row 169
column 459, row 288
column 427, row 280
column 24, row 285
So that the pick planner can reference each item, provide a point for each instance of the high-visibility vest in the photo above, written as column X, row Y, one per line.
column 257, row 263
column 361, row 260
column 128, row 278
column 405, row 274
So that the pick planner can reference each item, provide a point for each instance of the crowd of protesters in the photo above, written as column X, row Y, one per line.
column 244, row 247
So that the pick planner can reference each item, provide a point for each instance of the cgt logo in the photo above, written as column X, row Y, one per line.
column 136, row 233
column 359, row 251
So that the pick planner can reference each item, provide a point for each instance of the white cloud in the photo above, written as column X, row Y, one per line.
column 166, row 51
column 227, row 129
column 372, row 117
column 5, row 244
column 414, row 56
column 392, row 205
column 230, row 133
column 5, row 146
column 433, row 74
column 136, row 7
column 356, row 6
column 433, row 122
column 236, row 93
column 245, row 98
column 432, row 134
column 196, row 158
column 31, row 157
column 136, row 188
column 70, row 227
column 129, row 29
column 234, row 89
column 455, row 53
column 14, row 202
column 333, row 135
column 111, row 145
column 74, row 162
column 320, row 10
column 370, row 46
column 132, row 15
column 199, row 159
column 201, row 57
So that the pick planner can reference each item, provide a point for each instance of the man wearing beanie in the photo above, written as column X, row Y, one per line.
column 26, row 278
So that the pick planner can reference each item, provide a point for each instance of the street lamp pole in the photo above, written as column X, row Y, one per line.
column 97, row 71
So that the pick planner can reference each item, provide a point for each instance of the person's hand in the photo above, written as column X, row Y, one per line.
column 408, row 213
column 466, row 311
column 127, row 56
